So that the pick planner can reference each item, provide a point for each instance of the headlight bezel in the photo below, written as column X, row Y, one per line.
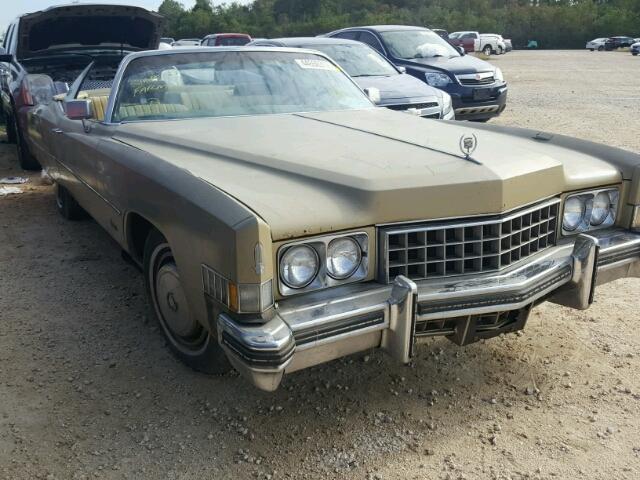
column 587, row 198
column 322, row 278
column 354, row 267
column 281, row 265
column 447, row 103
column 444, row 79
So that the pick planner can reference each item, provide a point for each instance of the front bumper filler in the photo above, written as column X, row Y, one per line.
column 330, row 324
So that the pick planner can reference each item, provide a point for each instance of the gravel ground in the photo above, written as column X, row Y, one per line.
column 88, row 389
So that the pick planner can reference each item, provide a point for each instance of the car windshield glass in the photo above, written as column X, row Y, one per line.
column 233, row 83
column 418, row 44
column 357, row 60
column 232, row 41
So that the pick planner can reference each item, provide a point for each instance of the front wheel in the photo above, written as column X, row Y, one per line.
column 67, row 206
column 600, row 49
column 487, row 50
column 187, row 338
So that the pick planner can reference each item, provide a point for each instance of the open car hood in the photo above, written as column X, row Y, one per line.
column 88, row 27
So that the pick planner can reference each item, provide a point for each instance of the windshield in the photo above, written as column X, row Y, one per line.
column 411, row 44
column 232, row 41
column 358, row 60
column 215, row 84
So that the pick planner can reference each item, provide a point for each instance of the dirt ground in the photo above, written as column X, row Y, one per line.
column 88, row 389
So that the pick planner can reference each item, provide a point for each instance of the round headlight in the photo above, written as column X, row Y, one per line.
column 343, row 258
column 601, row 208
column 574, row 210
column 299, row 266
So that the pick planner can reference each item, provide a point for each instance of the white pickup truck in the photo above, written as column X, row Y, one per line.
column 487, row 43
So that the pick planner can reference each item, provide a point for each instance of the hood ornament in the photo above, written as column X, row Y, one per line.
column 468, row 145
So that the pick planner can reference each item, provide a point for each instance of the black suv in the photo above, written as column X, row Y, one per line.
column 618, row 42
column 477, row 88
column 61, row 42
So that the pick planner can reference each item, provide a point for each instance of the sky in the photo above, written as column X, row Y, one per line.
column 11, row 9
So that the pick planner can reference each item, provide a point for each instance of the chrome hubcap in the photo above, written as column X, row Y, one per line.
column 59, row 197
column 172, row 302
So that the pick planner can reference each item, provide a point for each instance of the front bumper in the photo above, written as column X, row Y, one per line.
column 466, row 108
column 326, row 325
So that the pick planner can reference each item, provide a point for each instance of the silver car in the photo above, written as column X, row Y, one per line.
column 596, row 44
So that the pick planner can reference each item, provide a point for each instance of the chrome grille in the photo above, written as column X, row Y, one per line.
column 480, row 79
column 485, row 244
column 407, row 106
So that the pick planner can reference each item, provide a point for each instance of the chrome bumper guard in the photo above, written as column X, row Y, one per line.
column 330, row 324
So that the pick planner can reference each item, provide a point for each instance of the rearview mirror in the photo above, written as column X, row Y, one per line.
column 402, row 69
column 461, row 50
column 78, row 109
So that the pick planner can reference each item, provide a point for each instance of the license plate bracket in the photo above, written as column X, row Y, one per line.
column 482, row 93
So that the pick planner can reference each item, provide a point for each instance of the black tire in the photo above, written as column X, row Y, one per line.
column 187, row 338
column 26, row 160
column 600, row 49
column 67, row 205
column 635, row 54
column 591, row 50
column 487, row 50
column 11, row 132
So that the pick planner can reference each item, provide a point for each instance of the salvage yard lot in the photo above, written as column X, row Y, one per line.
column 88, row 390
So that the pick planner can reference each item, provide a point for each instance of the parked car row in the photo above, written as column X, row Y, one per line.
column 410, row 69
column 281, row 220
column 213, row 40
column 611, row 43
column 478, row 89
column 487, row 43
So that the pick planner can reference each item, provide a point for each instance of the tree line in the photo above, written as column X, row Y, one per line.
column 552, row 23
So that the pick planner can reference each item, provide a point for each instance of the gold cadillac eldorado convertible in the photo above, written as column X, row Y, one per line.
column 281, row 220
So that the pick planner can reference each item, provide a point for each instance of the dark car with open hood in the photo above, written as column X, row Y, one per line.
column 60, row 42
column 477, row 88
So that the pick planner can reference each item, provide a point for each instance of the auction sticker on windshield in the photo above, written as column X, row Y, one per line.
column 315, row 64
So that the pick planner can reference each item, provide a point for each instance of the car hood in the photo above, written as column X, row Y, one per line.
column 313, row 173
column 456, row 65
column 399, row 89
column 88, row 27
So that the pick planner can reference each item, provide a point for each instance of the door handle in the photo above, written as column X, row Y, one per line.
column 57, row 130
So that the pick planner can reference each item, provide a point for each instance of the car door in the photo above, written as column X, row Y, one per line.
column 85, row 170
